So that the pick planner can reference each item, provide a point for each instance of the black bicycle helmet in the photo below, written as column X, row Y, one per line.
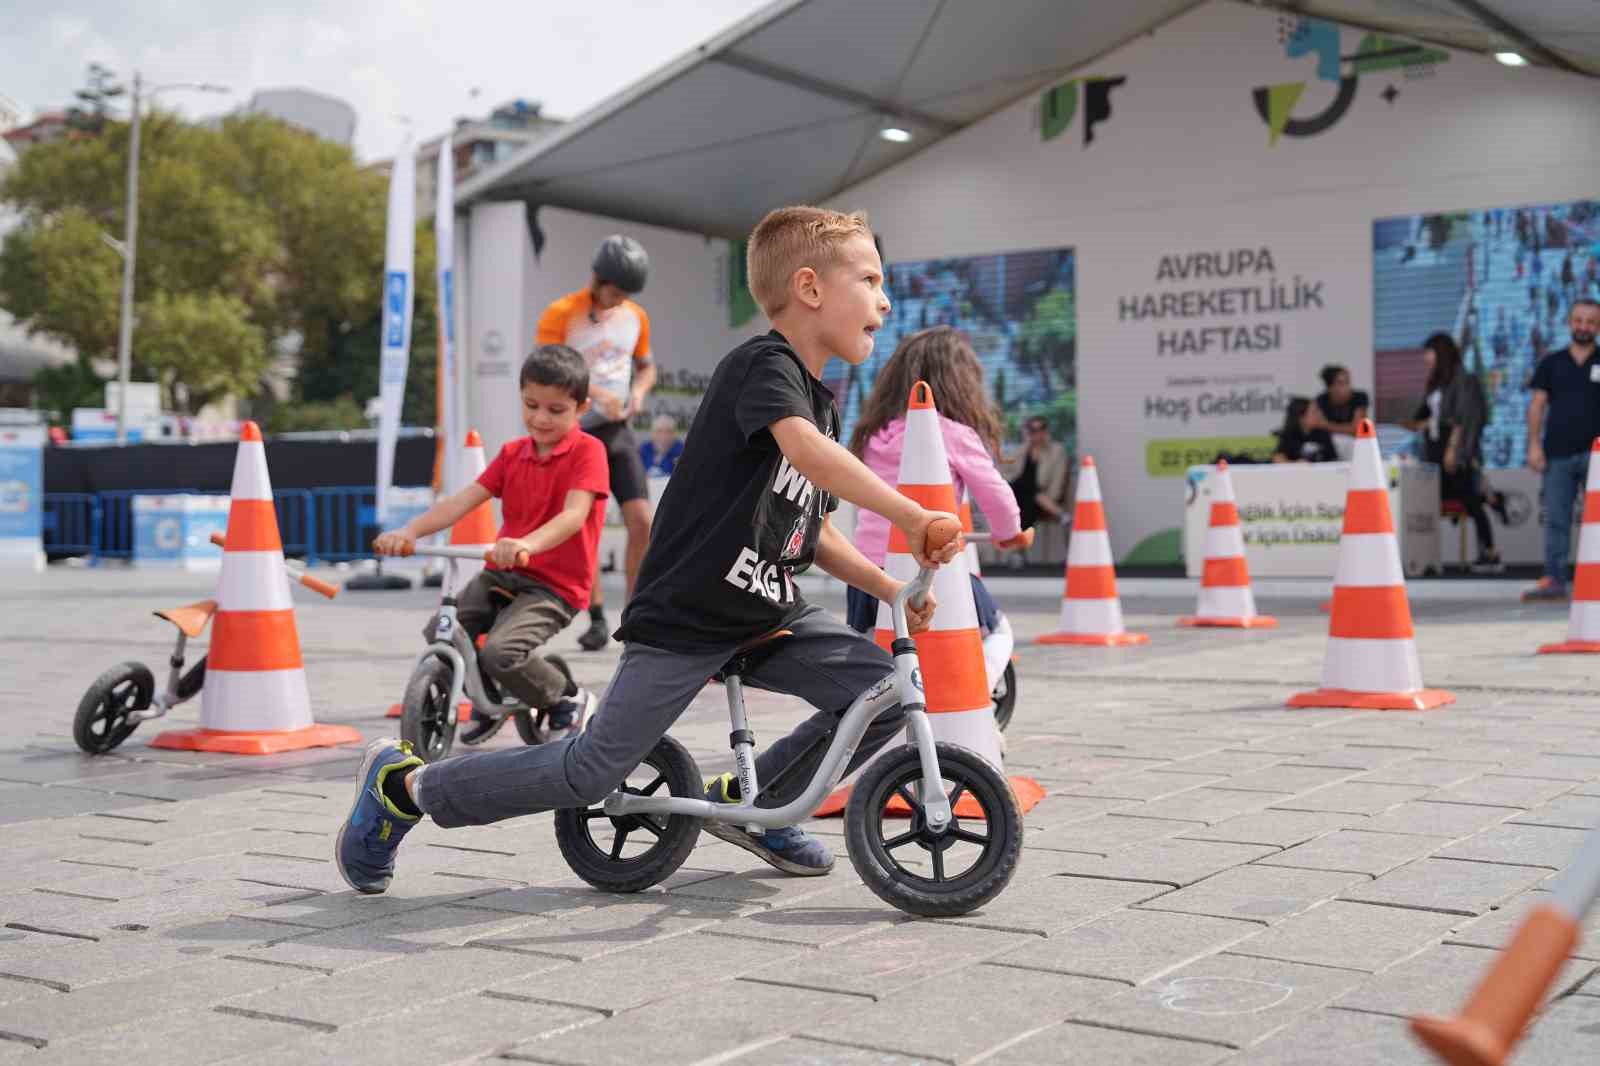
column 622, row 262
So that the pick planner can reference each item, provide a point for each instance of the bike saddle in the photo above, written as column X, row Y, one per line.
column 750, row 654
column 191, row 619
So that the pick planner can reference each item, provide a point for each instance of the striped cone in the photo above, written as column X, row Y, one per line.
column 1225, row 596
column 476, row 530
column 1091, row 612
column 950, row 651
column 1371, row 662
column 255, row 700
column 1583, row 624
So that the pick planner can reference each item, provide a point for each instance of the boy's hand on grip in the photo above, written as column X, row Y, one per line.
column 508, row 552
column 942, row 545
column 395, row 542
column 919, row 618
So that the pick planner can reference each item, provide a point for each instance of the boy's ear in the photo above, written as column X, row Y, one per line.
column 583, row 406
column 806, row 287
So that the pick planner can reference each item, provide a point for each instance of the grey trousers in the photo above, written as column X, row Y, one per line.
column 520, row 615
column 825, row 663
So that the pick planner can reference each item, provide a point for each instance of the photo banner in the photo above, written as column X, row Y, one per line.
column 395, row 352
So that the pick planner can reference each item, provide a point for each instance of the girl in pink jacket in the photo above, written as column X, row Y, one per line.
column 943, row 358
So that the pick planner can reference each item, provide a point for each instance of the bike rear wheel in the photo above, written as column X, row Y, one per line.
column 632, row 852
column 101, row 722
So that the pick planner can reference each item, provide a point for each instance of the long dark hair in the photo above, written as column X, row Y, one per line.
column 1292, row 414
column 943, row 357
column 1446, row 361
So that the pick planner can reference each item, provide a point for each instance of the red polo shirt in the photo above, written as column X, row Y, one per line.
column 533, row 488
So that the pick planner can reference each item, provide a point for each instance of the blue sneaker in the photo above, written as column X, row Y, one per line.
column 790, row 849
column 364, row 849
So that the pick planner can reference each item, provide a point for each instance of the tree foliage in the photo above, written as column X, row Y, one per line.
column 254, row 239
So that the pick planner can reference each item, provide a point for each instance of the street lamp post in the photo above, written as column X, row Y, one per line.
column 129, row 248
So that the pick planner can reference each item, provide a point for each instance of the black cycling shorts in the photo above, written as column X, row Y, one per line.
column 622, row 456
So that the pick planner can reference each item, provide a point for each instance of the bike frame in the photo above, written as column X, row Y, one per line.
column 167, row 699
column 452, row 644
column 903, row 687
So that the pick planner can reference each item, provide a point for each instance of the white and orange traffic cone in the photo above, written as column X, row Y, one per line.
column 1371, row 662
column 476, row 530
column 950, row 652
column 1091, row 612
column 254, row 701
column 1583, row 624
column 1499, row 1009
column 1225, row 597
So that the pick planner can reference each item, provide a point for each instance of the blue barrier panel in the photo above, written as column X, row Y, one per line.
column 116, row 525
column 297, row 522
column 71, row 523
column 344, row 518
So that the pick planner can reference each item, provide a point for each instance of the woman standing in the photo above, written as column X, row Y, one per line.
column 1450, row 419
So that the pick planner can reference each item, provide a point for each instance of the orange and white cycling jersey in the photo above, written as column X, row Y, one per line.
column 612, row 342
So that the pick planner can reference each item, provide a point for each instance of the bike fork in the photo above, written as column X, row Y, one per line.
column 908, row 682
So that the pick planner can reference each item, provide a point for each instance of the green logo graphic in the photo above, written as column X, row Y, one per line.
column 741, row 305
column 1057, row 106
column 1376, row 53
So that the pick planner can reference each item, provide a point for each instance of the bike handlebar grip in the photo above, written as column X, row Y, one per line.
column 941, row 531
column 1021, row 542
column 316, row 584
column 218, row 539
column 522, row 557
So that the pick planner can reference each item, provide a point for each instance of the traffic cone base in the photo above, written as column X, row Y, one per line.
column 1097, row 640
column 1499, row 1009
column 1423, row 699
column 257, row 743
column 1260, row 621
column 1571, row 647
column 1027, row 791
column 463, row 711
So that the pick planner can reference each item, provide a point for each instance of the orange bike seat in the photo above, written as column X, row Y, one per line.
column 192, row 619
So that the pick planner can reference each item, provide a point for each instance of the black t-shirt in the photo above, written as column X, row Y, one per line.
column 1343, row 412
column 736, row 522
column 1314, row 447
column 1573, row 419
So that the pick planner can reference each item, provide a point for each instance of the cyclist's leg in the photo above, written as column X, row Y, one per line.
column 998, row 641
column 649, row 691
column 631, row 489
column 511, row 654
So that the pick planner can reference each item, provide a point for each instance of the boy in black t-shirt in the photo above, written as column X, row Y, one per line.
column 746, row 510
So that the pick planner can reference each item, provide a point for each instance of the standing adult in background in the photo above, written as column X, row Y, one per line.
column 1450, row 419
column 1342, row 407
column 613, row 335
column 1038, row 474
column 1563, row 420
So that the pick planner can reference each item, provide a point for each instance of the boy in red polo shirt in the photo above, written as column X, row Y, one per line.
column 552, row 487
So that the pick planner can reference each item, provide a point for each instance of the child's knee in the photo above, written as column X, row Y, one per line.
column 502, row 656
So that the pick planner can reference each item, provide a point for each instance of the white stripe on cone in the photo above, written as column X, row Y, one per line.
column 925, row 463
column 1584, row 622
column 1366, row 466
column 250, row 481
column 952, row 588
column 1224, row 542
column 1361, row 665
column 1368, row 560
column 255, row 700
column 1589, row 543
column 254, row 581
column 1091, row 617
column 1090, row 547
column 1226, row 601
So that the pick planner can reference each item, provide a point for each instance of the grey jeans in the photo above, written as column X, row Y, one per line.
column 825, row 663
column 520, row 615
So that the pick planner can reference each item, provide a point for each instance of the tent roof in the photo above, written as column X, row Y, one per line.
column 786, row 106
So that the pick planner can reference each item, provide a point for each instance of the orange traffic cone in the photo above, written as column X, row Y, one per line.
column 476, row 530
column 950, row 651
column 1583, row 624
column 1091, row 612
column 1371, row 662
column 1500, row 1007
column 254, row 701
column 1225, row 596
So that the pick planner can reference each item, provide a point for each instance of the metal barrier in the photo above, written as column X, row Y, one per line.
column 71, row 523
column 319, row 525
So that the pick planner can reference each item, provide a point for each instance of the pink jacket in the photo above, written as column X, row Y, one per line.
column 971, row 469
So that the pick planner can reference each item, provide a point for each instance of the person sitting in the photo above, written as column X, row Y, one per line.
column 1304, row 436
column 1342, row 407
column 1450, row 420
column 660, row 452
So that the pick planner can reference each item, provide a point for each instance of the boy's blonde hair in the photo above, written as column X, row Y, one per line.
column 794, row 237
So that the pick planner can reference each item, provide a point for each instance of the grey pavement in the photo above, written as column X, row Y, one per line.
column 1212, row 878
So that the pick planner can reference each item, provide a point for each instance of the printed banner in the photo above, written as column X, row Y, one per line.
column 450, row 415
column 397, row 296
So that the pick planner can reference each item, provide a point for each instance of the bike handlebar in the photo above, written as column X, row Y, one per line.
column 454, row 551
column 315, row 584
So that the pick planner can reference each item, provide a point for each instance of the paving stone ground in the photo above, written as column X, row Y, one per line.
column 1211, row 879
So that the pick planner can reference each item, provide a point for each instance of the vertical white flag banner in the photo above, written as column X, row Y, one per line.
column 449, row 393
column 397, row 295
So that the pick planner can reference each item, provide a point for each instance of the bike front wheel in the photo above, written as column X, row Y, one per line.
column 426, row 718
column 102, row 719
column 909, row 865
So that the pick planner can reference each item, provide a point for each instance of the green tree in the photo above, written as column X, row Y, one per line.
column 95, row 100
column 254, row 239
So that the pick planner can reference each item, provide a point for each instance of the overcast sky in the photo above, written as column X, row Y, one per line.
column 420, row 59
